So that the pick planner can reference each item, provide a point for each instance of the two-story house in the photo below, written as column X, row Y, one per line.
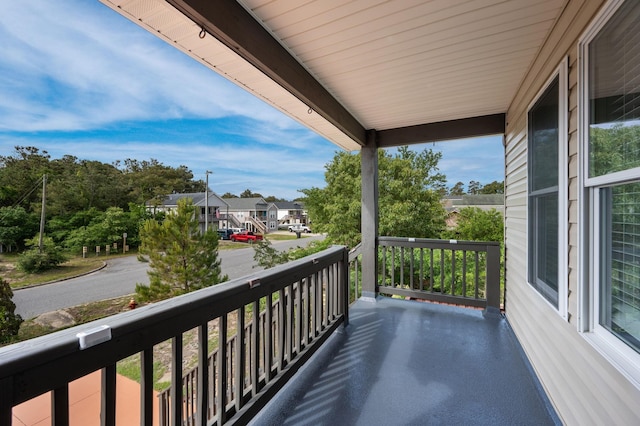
column 211, row 211
column 290, row 212
column 253, row 214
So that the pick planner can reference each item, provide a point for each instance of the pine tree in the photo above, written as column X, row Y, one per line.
column 182, row 259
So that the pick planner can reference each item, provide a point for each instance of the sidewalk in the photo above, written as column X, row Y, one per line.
column 84, row 404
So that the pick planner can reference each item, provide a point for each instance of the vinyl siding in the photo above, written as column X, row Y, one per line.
column 582, row 385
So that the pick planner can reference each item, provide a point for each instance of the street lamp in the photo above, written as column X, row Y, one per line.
column 206, row 201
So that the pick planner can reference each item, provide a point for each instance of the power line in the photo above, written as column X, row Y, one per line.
column 24, row 197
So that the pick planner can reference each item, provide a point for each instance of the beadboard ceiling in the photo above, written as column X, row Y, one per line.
column 387, row 64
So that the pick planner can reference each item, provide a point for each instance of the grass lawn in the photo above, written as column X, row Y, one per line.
column 73, row 267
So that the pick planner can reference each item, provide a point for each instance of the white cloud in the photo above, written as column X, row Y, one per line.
column 100, row 68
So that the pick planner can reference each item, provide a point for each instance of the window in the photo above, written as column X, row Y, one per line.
column 546, row 122
column 610, row 172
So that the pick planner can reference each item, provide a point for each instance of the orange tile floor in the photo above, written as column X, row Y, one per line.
column 84, row 404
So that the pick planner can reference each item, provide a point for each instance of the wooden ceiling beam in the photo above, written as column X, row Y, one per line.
column 236, row 28
column 442, row 131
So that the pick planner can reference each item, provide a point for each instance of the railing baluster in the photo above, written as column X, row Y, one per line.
column 411, row 270
column 401, row 267
column 343, row 287
column 60, row 406
column 357, row 283
column 453, row 272
column 318, row 303
column 298, row 316
column 146, row 383
column 268, row 339
column 442, row 286
column 165, row 403
column 290, row 324
column 325, row 298
column 202, row 399
column 6, row 395
column 176, row 380
column 108, row 396
column 213, row 384
column 393, row 266
column 421, row 274
column 337, row 298
column 330, row 289
column 230, row 389
column 384, row 267
column 336, row 292
column 221, row 402
column 187, row 398
column 239, row 362
column 477, row 277
column 464, row 273
column 307, row 310
column 431, row 278
column 255, row 346
column 282, row 326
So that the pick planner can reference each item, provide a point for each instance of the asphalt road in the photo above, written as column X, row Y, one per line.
column 119, row 278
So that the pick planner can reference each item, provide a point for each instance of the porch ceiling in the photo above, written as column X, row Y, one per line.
column 341, row 68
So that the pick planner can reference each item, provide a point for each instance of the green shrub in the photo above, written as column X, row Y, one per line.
column 9, row 320
column 33, row 260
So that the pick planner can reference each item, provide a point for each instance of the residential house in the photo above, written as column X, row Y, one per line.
column 290, row 212
column 210, row 211
column 253, row 214
column 558, row 79
column 454, row 203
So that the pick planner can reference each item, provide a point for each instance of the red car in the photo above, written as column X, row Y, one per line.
column 245, row 237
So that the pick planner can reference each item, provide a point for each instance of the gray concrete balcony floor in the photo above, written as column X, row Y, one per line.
column 412, row 363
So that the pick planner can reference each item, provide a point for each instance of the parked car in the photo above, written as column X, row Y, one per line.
column 299, row 228
column 245, row 237
column 225, row 234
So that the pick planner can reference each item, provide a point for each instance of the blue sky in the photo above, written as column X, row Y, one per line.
column 68, row 85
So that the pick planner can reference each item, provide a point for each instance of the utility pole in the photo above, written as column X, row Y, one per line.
column 206, row 201
column 42, row 213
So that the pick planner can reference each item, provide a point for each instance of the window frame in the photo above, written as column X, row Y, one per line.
column 561, row 74
column 623, row 357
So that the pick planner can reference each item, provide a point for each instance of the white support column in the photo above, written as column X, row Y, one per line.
column 369, row 224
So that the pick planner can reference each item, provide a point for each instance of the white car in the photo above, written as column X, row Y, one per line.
column 298, row 228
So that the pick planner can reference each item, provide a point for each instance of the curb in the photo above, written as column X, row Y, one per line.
column 104, row 265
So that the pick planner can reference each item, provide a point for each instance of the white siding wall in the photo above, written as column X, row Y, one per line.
column 583, row 386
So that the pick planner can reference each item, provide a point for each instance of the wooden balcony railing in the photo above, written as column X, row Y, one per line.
column 232, row 381
column 457, row 272
column 450, row 271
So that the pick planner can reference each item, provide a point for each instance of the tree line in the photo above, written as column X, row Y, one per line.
column 88, row 203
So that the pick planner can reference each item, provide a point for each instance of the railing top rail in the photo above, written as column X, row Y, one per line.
column 432, row 243
column 355, row 252
column 56, row 355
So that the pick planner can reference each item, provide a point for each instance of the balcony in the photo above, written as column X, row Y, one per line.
column 377, row 361
column 411, row 363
